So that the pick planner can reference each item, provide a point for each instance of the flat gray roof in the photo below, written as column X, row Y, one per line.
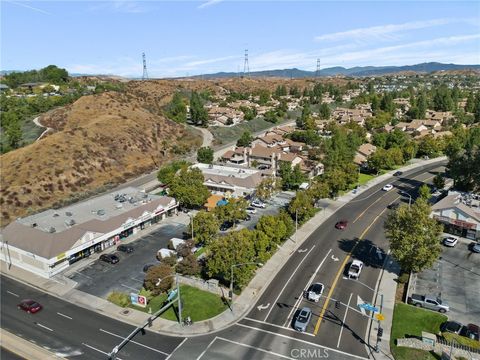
column 102, row 208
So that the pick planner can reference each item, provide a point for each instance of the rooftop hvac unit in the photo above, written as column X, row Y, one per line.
column 101, row 212
column 68, row 213
column 52, row 230
column 70, row 222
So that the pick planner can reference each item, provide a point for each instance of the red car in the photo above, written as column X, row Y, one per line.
column 30, row 306
column 342, row 224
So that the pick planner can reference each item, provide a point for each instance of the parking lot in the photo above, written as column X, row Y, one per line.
column 456, row 277
column 100, row 278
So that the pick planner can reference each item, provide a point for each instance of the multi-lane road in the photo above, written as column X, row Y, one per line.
column 337, row 330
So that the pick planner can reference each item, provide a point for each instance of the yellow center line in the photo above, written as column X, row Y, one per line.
column 364, row 211
column 340, row 270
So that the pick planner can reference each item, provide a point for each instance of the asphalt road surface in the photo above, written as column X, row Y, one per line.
column 74, row 332
column 266, row 332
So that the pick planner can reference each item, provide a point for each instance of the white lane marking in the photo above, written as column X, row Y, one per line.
column 302, row 341
column 168, row 357
column 263, row 307
column 43, row 326
column 206, row 349
column 335, row 258
column 302, row 250
column 65, row 316
column 295, row 306
column 100, row 351
column 256, row 348
column 361, row 302
column 343, row 322
column 290, row 278
column 275, row 325
column 12, row 293
column 129, row 287
column 135, row 342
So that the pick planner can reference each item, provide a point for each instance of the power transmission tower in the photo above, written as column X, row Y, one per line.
column 145, row 74
column 246, row 68
column 317, row 72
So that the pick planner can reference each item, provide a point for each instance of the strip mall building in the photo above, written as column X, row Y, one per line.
column 49, row 242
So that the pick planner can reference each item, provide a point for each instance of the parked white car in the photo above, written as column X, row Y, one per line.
column 258, row 204
column 387, row 187
column 450, row 241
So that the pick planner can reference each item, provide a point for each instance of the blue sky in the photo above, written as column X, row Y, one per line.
column 193, row 37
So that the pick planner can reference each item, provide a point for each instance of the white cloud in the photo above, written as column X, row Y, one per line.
column 382, row 32
column 209, row 3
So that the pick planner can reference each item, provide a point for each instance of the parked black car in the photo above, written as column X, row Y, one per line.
column 125, row 248
column 147, row 267
column 110, row 258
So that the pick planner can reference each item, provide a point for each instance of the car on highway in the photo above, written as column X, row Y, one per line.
column 341, row 225
column 125, row 248
column 109, row 258
column 251, row 210
column 397, row 173
column 387, row 187
column 393, row 206
column 450, row 241
column 258, row 204
column 476, row 248
column 355, row 269
column 303, row 319
column 471, row 331
column 451, row 326
column 314, row 293
column 29, row 306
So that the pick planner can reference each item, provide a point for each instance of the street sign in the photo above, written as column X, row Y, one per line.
column 379, row 317
column 368, row 307
column 138, row 300
column 172, row 294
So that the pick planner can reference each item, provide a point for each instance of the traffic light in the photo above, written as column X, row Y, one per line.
column 337, row 304
column 380, row 332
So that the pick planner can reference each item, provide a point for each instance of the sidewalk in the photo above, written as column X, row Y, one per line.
column 63, row 287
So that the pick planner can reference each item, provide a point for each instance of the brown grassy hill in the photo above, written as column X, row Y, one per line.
column 98, row 140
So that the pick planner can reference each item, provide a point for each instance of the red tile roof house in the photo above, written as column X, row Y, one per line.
column 49, row 242
column 363, row 152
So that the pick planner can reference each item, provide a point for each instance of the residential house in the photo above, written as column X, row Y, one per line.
column 362, row 154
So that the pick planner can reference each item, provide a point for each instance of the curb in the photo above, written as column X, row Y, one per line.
column 24, row 348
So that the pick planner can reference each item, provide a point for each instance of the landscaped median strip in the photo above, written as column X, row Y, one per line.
column 339, row 272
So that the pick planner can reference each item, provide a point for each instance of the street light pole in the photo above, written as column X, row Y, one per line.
column 409, row 198
column 231, row 279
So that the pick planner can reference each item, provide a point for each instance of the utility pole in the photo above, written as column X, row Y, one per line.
column 145, row 74
column 246, row 67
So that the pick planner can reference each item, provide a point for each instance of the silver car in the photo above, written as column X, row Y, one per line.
column 303, row 319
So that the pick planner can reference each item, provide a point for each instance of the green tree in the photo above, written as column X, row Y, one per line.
column 233, row 211
column 176, row 109
column 271, row 116
column 439, row 181
column 205, row 227
column 188, row 189
column 245, row 140
column 470, row 105
column 424, row 192
column 161, row 272
column 188, row 265
column 205, row 155
column 303, row 119
column 13, row 133
column 324, row 111
column 291, row 178
column 319, row 190
column 302, row 206
column 264, row 97
column 166, row 173
column 273, row 227
column 464, row 168
column 442, row 99
column 198, row 114
column 267, row 188
column 414, row 236
column 237, row 247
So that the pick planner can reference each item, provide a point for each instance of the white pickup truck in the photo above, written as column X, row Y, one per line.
column 429, row 302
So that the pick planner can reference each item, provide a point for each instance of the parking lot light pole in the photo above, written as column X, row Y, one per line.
column 231, row 279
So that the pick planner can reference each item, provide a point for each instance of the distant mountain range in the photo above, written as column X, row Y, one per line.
column 337, row 70
column 355, row 71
